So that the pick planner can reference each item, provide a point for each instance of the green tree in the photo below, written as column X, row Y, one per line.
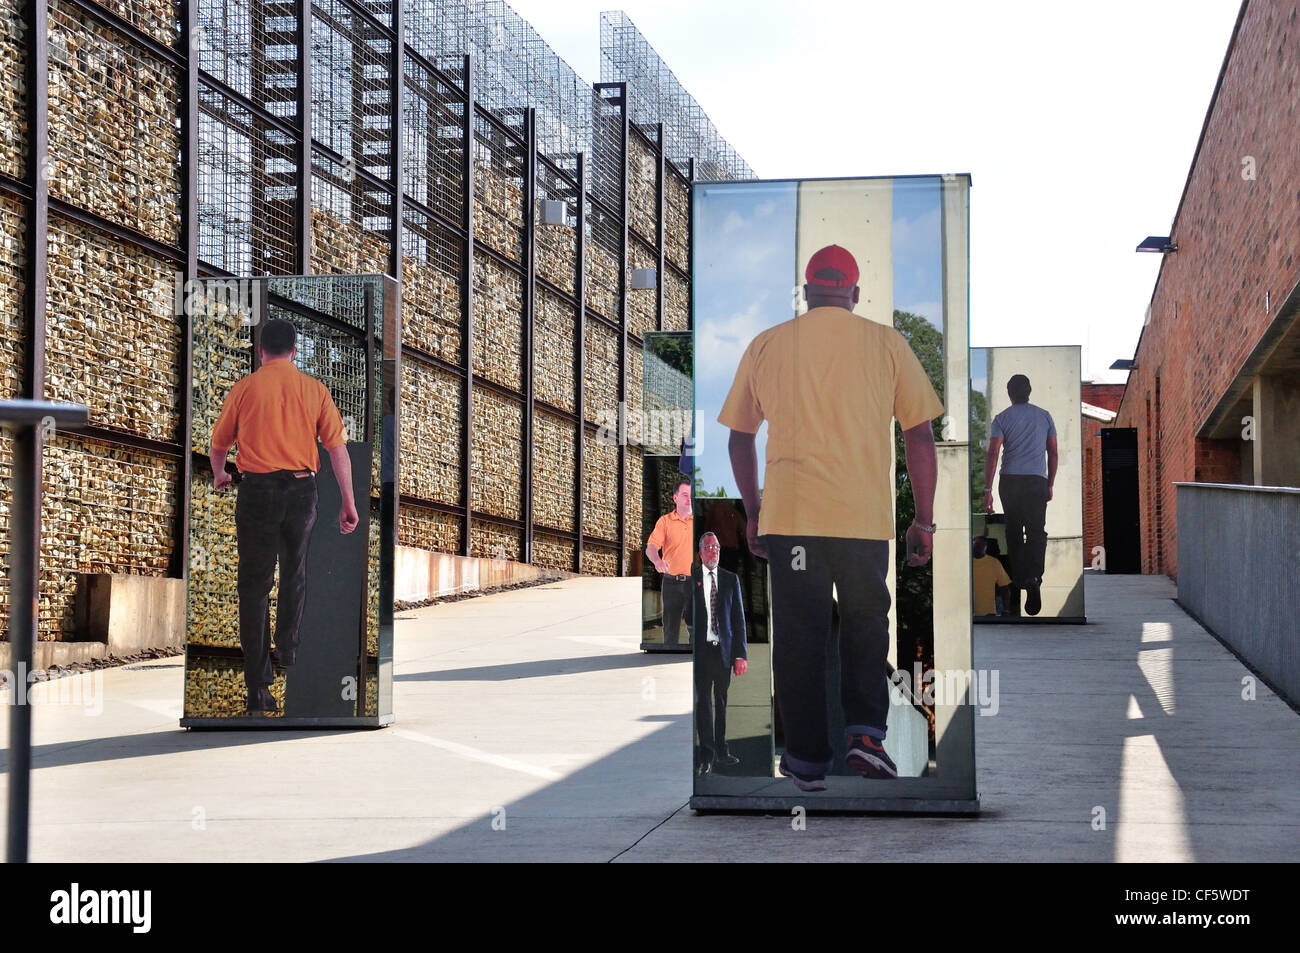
column 914, row 588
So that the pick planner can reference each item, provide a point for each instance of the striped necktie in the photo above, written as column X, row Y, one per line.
column 713, row 602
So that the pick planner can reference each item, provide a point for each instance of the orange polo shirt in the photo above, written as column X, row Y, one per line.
column 675, row 538
column 275, row 415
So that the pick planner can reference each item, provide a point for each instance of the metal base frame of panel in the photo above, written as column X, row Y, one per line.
column 961, row 807
column 261, row 721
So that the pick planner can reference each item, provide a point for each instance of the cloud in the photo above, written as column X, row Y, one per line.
column 720, row 342
column 917, row 236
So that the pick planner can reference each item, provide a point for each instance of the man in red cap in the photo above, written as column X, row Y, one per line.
column 828, row 384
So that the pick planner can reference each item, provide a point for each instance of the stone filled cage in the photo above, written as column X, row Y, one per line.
column 151, row 151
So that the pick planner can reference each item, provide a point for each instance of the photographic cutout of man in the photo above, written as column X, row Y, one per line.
column 669, row 550
column 828, row 383
column 720, row 649
column 276, row 415
column 1026, row 436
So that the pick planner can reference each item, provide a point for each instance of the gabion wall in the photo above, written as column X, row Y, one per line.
column 112, row 341
column 113, row 127
column 106, row 509
column 117, row 272
column 432, row 439
column 13, row 105
column 12, row 331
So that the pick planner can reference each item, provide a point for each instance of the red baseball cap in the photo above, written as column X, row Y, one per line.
column 832, row 257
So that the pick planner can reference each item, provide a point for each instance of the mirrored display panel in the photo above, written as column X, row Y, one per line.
column 832, row 663
column 290, row 578
column 1026, row 485
column 666, row 433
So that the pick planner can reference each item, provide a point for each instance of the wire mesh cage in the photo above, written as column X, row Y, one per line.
column 13, row 261
column 433, row 147
column 428, row 529
column 251, row 46
column 499, row 164
column 247, row 191
column 490, row 540
column 554, row 472
column 600, row 488
column 642, row 303
column 438, row 30
column 555, row 244
column 656, row 96
column 602, row 262
column 159, row 19
column 497, row 465
column 113, row 331
column 432, row 261
column 554, row 350
column 351, row 88
column 351, row 221
column 113, row 125
column 600, row 382
column 104, row 509
column 643, row 188
column 14, row 38
column 432, row 437
column 498, row 334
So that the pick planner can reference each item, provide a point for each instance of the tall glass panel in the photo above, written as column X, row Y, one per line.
column 833, row 664
column 290, row 582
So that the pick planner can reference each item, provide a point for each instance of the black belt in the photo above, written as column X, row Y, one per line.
column 280, row 475
column 681, row 578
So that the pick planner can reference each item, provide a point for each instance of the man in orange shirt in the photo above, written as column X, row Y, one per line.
column 276, row 415
column 674, row 535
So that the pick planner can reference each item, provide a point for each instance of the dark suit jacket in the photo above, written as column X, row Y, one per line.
column 731, row 614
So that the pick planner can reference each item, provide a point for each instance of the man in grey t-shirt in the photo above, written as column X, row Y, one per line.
column 1026, row 436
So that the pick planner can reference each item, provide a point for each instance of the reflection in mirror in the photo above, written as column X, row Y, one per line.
column 289, row 618
column 821, row 321
column 1026, row 484
column 666, row 433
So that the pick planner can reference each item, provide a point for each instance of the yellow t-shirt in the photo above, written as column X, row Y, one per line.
column 988, row 575
column 828, row 383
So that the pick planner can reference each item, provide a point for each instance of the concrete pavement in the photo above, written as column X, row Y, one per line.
column 530, row 727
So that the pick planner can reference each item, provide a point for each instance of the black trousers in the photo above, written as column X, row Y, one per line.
column 274, row 516
column 677, row 597
column 1024, row 498
column 712, row 679
column 801, row 628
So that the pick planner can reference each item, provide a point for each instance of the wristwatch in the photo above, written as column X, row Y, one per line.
column 924, row 528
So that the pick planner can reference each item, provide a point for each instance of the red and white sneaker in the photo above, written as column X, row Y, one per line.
column 868, row 758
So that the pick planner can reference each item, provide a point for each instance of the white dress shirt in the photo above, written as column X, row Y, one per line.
column 708, row 603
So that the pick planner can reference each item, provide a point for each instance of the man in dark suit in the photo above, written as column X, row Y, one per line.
column 720, row 649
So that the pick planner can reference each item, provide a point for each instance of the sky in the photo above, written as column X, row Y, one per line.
column 1076, row 122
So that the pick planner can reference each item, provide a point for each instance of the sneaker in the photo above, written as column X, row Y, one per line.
column 802, row 782
column 1033, row 599
column 868, row 758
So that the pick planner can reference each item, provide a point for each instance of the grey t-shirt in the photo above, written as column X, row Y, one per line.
column 1024, row 430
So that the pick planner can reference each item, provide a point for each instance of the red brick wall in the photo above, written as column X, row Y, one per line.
column 1107, row 396
column 1237, row 239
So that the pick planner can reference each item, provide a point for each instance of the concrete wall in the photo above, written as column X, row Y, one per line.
column 422, row 575
column 1237, row 572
